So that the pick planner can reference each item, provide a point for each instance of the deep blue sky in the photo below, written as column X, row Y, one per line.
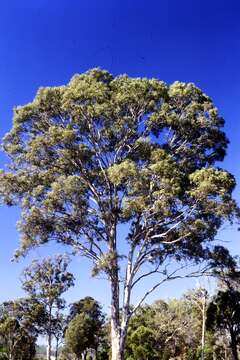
column 43, row 43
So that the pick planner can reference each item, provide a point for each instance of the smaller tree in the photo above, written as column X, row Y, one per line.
column 17, row 337
column 199, row 298
column 79, row 336
column 45, row 282
column 29, row 313
column 223, row 314
column 85, row 319
column 20, row 321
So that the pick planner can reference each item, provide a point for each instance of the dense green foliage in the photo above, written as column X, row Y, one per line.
column 90, row 307
column 79, row 335
column 224, row 315
column 19, row 321
column 142, row 344
column 172, row 329
column 85, row 329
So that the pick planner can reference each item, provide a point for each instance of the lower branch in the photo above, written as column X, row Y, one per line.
column 169, row 277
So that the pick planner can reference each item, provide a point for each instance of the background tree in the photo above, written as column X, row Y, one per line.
column 224, row 314
column 89, row 306
column 93, row 310
column 200, row 299
column 103, row 151
column 177, row 328
column 90, row 325
column 45, row 282
column 79, row 336
column 173, row 325
column 18, row 330
column 29, row 313
column 18, row 344
column 104, row 352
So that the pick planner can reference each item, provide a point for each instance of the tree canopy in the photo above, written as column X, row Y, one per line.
column 102, row 148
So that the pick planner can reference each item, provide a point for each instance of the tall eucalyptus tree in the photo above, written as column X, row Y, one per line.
column 105, row 152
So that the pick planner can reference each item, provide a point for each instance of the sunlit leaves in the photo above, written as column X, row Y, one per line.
column 107, row 150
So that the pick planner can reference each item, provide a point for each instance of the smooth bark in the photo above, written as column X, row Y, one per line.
column 56, row 349
column 49, row 346
column 203, row 326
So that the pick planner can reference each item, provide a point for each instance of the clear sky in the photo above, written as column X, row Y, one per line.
column 43, row 43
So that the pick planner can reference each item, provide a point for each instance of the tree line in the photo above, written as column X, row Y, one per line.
column 196, row 326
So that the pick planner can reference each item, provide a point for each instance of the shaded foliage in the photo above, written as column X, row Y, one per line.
column 85, row 329
column 224, row 314
column 18, row 331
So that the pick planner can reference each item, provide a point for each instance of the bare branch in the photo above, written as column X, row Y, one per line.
column 180, row 238
column 155, row 271
column 185, row 216
column 86, row 252
column 172, row 276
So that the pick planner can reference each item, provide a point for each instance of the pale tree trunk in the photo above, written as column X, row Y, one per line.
column 203, row 326
column 225, row 352
column 84, row 354
column 115, row 321
column 115, row 342
column 214, row 354
column 116, row 352
column 126, row 303
column 94, row 354
column 56, row 349
column 119, row 329
column 49, row 334
column 13, row 344
column 49, row 346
